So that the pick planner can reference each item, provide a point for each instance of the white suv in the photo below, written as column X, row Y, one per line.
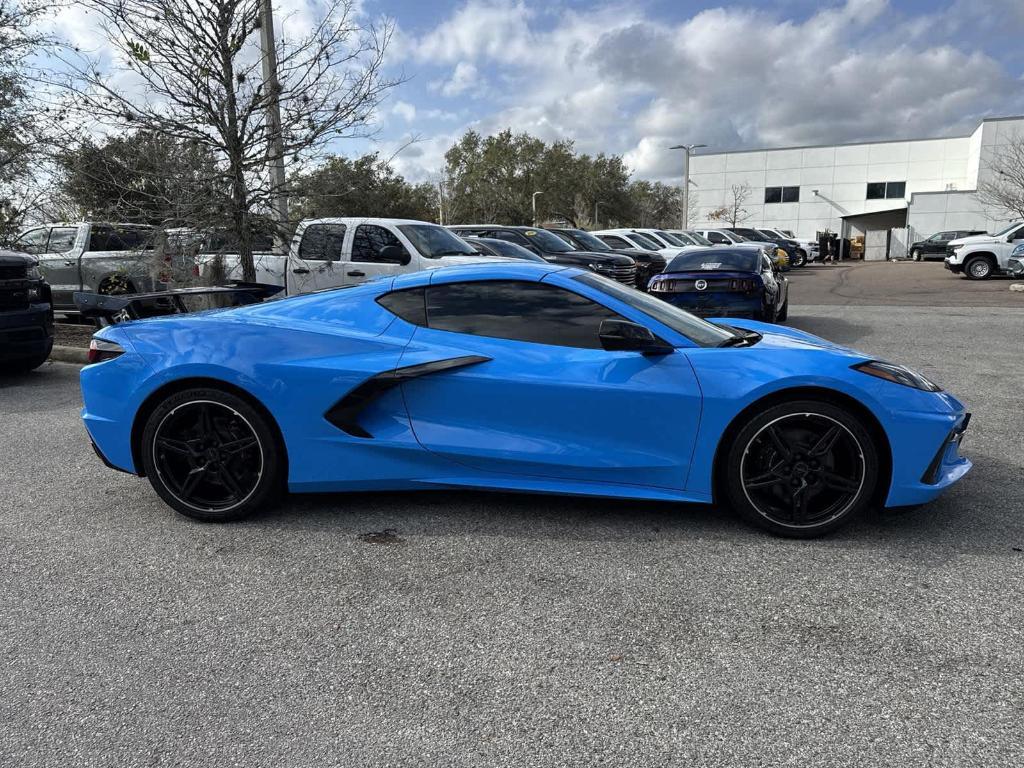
column 981, row 256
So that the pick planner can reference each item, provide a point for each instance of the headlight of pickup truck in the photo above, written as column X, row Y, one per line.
column 955, row 248
column 33, row 273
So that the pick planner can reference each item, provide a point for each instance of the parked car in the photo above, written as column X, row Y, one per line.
column 728, row 237
column 218, row 259
column 981, row 256
column 935, row 246
column 725, row 282
column 797, row 251
column 556, row 250
column 26, row 314
column 490, row 246
column 97, row 257
column 648, row 263
column 519, row 377
column 689, row 237
column 624, row 239
column 1015, row 264
column 795, row 257
column 328, row 253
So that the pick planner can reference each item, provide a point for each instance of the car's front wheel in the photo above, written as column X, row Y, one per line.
column 916, row 254
column 799, row 258
column 211, row 455
column 979, row 268
column 801, row 469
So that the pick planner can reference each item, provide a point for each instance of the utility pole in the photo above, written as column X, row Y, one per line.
column 533, row 203
column 687, row 151
column 275, row 148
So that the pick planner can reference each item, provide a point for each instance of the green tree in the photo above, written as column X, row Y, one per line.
column 144, row 178
column 366, row 186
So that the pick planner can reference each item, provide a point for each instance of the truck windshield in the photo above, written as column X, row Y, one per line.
column 548, row 242
column 671, row 239
column 433, row 241
column 591, row 242
column 645, row 242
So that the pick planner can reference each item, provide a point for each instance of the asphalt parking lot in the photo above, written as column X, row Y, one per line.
column 467, row 629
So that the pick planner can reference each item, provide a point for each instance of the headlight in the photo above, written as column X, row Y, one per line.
column 602, row 267
column 33, row 273
column 955, row 248
column 1018, row 251
column 897, row 374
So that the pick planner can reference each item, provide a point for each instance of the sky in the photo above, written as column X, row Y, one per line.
column 634, row 78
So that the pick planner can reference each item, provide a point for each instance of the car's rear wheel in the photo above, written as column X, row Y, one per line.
column 979, row 268
column 211, row 455
column 916, row 254
column 801, row 469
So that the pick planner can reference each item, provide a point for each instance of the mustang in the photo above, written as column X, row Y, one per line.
column 519, row 376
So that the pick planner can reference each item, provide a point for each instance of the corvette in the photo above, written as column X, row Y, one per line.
column 518, row 377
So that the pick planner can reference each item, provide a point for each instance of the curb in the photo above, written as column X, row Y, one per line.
column 77, row 355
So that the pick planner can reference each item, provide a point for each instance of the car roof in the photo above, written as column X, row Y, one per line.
column 355, row 220
column 492, row 226
column 504, row 270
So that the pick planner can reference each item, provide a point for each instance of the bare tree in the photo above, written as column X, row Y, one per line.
column 1005, row 191
column 733, row 211
column 190, row 71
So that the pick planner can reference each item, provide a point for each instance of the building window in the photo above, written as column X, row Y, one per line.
column 886, row 190
column 782, row 194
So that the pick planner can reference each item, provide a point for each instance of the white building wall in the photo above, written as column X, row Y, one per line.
column 841, row 174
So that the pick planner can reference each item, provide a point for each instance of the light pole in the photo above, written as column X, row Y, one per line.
column 533, row 203
column 596, row 203
column 687, row 151
column 279, row 194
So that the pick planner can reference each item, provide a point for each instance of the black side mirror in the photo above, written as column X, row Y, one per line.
column 624, row 336
column 394, row 254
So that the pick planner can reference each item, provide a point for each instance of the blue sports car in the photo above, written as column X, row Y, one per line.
column 725, row 281
column 514, row 376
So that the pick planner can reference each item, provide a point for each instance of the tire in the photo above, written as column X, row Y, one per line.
column 782, row 446
column 784, row 311
column 769, row 315
column 799, row 258
column 212, row 456
column 915, row 254
column 978, row 268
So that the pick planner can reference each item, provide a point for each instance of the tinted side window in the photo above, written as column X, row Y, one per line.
column 370, row 240
column 717, row 237
column 615, row 242
column 410, row 304
column 512, row 237
column 62, row 239
column 516, row 310
column 322, row 242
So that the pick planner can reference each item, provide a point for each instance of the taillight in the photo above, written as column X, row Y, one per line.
column 101, row 349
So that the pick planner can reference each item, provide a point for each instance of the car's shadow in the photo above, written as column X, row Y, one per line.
column 832, row 328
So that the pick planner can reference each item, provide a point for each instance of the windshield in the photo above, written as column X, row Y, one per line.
column 715, row 260
column 591, row 242
column 669, row 238
column 699, row 239
column 644, row 241
column 434, row 242
column 1007, row 230
column 507, row 249
column 548, row 242
column 700, row 332
column 767, row 234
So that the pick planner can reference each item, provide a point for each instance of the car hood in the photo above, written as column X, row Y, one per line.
column 784, row 337
column 641, row 257
column 592, row 257
column 13, row 259
column 973, row 239
column 456, row 261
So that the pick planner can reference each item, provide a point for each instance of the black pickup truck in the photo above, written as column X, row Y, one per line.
column 26, row 314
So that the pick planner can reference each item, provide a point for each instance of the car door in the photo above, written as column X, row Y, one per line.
column 541, row 397
column 717, row 238
column 937, row 242
column 59, row 262
column 316, row 261
column 367, row 259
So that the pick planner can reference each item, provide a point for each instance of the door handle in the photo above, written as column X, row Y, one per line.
column 356, row 273
column 70, row 263
column 300, row 271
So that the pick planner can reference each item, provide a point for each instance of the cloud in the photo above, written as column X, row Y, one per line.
column 404, row 110
column 615, row 79
column 464, row 77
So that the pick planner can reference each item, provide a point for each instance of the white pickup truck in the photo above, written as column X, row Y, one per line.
column 327, row 253
column 981, row 256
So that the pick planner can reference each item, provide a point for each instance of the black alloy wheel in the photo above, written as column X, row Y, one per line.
column 799, row 258
column 915, row 254
column 211, row 456
column 802, row 469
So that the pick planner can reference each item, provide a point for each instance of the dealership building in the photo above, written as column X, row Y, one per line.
column 891, row 192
